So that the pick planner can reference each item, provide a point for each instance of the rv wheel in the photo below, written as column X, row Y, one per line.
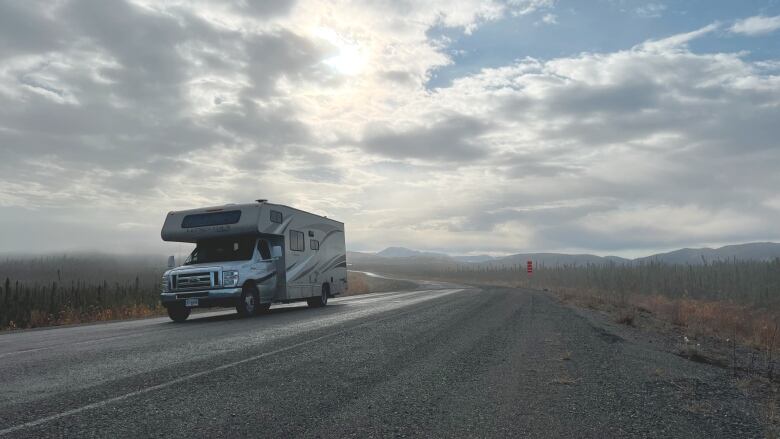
column 178, row 313
column 249, row 302
column 322, row 299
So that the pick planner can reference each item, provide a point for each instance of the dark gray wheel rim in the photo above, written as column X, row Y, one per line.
column 249, row 303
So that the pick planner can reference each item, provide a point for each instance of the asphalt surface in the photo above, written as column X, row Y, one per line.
column 445, row 361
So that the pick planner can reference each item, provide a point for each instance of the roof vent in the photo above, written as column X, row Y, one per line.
column 262, row 200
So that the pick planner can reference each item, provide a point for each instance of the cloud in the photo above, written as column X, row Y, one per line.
column 453, row 139
column 28, row 27
column 112, row 115
column 679, row 40
column 757, row 25
column 522, row 7
column 601, row 135
column 650, row 10
column 550, row 19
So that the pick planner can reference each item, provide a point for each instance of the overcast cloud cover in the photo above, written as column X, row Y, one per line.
column 462, row 126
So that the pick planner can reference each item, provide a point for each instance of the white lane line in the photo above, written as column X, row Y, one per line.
column 22, row 351
column 185, row 378
column 93, row 340
column 63, row 345
column 370, row 298
column 370, row 274
column 376, row 296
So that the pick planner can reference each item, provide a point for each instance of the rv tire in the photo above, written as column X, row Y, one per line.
column 178, row 313
column 322, row 299
column 249, row 303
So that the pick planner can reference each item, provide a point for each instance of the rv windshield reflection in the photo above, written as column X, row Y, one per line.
column 221, row 250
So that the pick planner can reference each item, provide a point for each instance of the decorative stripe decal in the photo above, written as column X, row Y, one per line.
column 334, row 262
column 341, row 262
column 327, row 235
column 284, row 225
column 304, row 273
column 278, row 229
column 266, row 277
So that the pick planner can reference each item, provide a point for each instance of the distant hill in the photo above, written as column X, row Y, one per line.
column 403, row 252
column 755, row 251
column 476, row 258
column 402, row 256
column 556, row 259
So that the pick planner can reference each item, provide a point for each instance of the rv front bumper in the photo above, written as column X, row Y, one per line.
column 206, row 298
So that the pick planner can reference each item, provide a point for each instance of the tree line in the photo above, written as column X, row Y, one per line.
column 42, row 291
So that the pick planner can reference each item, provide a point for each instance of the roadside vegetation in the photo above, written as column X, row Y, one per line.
column 61, row 290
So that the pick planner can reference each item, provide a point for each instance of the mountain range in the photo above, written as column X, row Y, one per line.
column 760, row 251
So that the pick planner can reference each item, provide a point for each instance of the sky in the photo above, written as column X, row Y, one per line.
column 618, row 127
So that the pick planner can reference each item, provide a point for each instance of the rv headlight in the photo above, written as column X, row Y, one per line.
column 229, row 278
column 166, row 286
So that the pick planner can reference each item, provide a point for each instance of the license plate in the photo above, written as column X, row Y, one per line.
column 189, row 303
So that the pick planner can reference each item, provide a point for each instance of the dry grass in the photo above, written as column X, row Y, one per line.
column 358, row 283
column 753, row 326
column 33, row 304
column 765, row 395
column 626, row 317
column 758, row 328
column 70, row 316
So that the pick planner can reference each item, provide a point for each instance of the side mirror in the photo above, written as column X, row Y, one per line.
column 276, row 252
column 171, row 261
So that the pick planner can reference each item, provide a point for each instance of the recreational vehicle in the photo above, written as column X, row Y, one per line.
column 252, row 255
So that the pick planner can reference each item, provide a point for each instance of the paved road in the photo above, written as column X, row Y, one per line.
column 445, row 361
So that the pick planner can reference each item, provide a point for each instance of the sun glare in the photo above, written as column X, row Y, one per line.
column 349, row 59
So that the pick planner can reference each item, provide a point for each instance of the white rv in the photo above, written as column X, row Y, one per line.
column 252, row 255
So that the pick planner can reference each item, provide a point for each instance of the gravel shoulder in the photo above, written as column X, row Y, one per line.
column 718, row 378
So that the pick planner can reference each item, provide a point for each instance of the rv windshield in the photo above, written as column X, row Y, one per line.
column 222, row 250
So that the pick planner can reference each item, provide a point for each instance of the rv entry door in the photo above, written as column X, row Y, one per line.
column 281, row 271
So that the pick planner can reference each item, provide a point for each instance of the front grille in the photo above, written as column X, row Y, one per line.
column 189, row 281
column 189, row 295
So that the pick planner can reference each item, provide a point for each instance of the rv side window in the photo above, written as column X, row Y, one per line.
column 264, row 248
column 297, row 241
column 276, row 216
column 314, row 244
